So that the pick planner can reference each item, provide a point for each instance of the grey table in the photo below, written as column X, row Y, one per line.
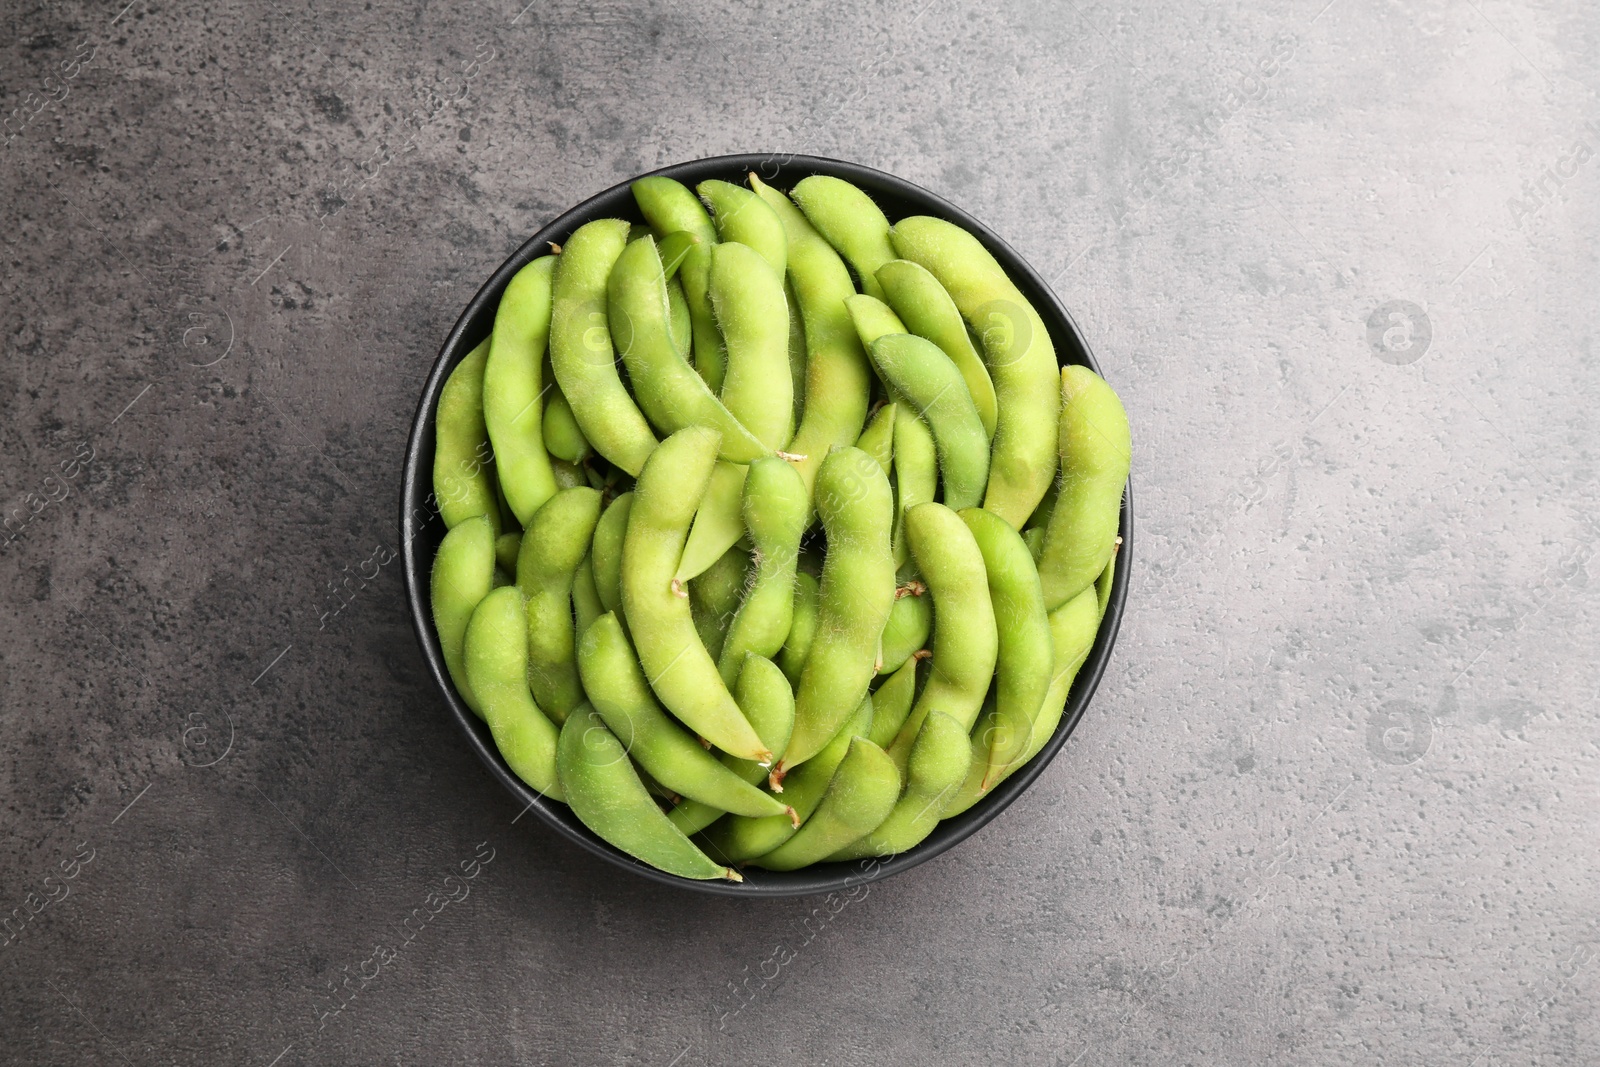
column 1336, row 800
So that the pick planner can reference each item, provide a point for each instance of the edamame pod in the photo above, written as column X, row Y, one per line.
column 891, row 703
column 586, row 606
column 668, row 206
column 877, row 440
column 463, row 475
column 674, row 248
column 513, row 388
column 858, row 799
column 1017, row 350
column 1102, row 585
column 606, row 551
column 581, row 354
column 1023, row 664
column 505, row 551
column 496, row 661
column 718, row 523
column 916, row 472
column 669, row 391
column 1095, row 453
column 567, row 474
column 873, row 318
column 838, row 379
column 927, row 310
column 463, row 574
column 802, row 628
column 851, row 222
column 617, row 689
column 747, row 299
column 562, row 437
column 775, row 509
column 608, row 797
column 682, row 325
column 553, row 546
column 910, row 622
column 857, row 511
column 744, row 217
column 677, row 664
column 935, row 389
column 714, row 597
column 797, row 350
column 940, row 759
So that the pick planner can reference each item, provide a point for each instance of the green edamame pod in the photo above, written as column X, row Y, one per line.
column 682, row 326
column 851, row 222
column 935, row 389
column 857, row 511
column 606, row 794
column 463, row 475
column 505, row 551
column 669, row 391
column 916, row 472
column 858, row 799
column 1023, row 663
column 586, row 606
column 753, row 317
column 714, row 597
column 873, row 318
column 1017, row 350
column 965, row 637
column 737, row 839
column 567, row 474
column 744, row 217
column 656, row 606
column 802, row 627
column 581, row 354
column 877, row 440
column 927, row 310
column 617, row 689
column 553, row 546
column 496, row 662
column 513, row 387
column 669, row 206
column 910, row 622
column 838, row 378
column 1102, row 585
column 463, row 574
column 767, row 701
column 718, row 523
column 891, row 704
column 674, row 248
column 940, row 759
column 775, row 509
column 797, row 350
column 1095, row 454
column 606, row 551
column 562, row 436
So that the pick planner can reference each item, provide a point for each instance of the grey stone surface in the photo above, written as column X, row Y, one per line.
column 1336, row 800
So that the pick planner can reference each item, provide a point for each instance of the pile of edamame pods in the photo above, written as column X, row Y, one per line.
column 776, row 534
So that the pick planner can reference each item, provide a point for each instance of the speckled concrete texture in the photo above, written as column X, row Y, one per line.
column 1336, row 801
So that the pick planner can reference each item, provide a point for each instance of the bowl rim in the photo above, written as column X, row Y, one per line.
column 417, row 515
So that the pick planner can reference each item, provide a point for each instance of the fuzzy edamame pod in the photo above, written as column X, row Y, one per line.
column 656, row 606
column 891, row 704
column 562, row 436
column 1102, row 584
column 714, row 597
column 617, row 689
column 463, row 475
column 940, row 760
column 1023, row 664
column 668, row 390
column 851, row 222
column 553, row 546
column 1017, row 350
column 463, row 574
column 838, row 377
column 606, row 551
column 718, row 522
column 567, row 474
column 513, row 388
column 496, row 660
column 802, row 627
column 857, row 511
column 906, row 633
column 1095, row 452
column 669, row 206
column 797, row 350
column 934, row 387
column 877, row 440
column 753, row 317
column 674, row 248
column 581, row 353
column 506, row 547
column 916, row 472
column 744, row 217
column 858, row 799
column 775, row 509
column 682, row 325
column 873, row 318
column 586, row 606
column 927, row 310
column 609, row 798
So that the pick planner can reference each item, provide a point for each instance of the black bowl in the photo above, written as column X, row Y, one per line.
column 421, row 528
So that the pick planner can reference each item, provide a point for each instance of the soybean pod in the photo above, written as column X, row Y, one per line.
column 669, row 206
column 927, row 311
column 934, row 388
column 852, row 224
column 463, row 481
column 774, row 509
column 496, row 660
column 802, row 628
column 743, row 217
column 940, row 759
column 606, row 551
column 513, row 389
column 1095, row 450
column 859, row 798
column 553, row 546
column 916, row 472
column 463, row 574
column 747, row 298
column 717, row 523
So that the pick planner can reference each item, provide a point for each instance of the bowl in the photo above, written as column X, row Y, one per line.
column 421, row 528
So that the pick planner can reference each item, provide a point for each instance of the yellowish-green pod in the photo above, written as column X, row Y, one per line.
column 586, row 606
column 718, row 523
column 682, row 325
column 606, row 551
column 857, row 511
column 513, row 388
column 910, row 622
column 851, row 222
column 891, row 704
column 877, row 440
column 674, row 248
column 562, row 437
column 505, row 551
column 873, row 318
column 916, row 472
column 463, row 574
column 581, row 352
column 933, row 387
column 940, row 760
column 802, row 627
column 714, row 598
column 656, row 606
column 567, row 474
column 775, row 506
column 858, row 799
column 838, row 377
column 1095, row 452
column 927, row 310
column 669, row 206
column 797, row 350
column 463, row 472
column 553, row 546
column 1016, row 349
column 496, row 660
column 745, row 218
column 607, row 795
column 753, row 317
column 1102, row 585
